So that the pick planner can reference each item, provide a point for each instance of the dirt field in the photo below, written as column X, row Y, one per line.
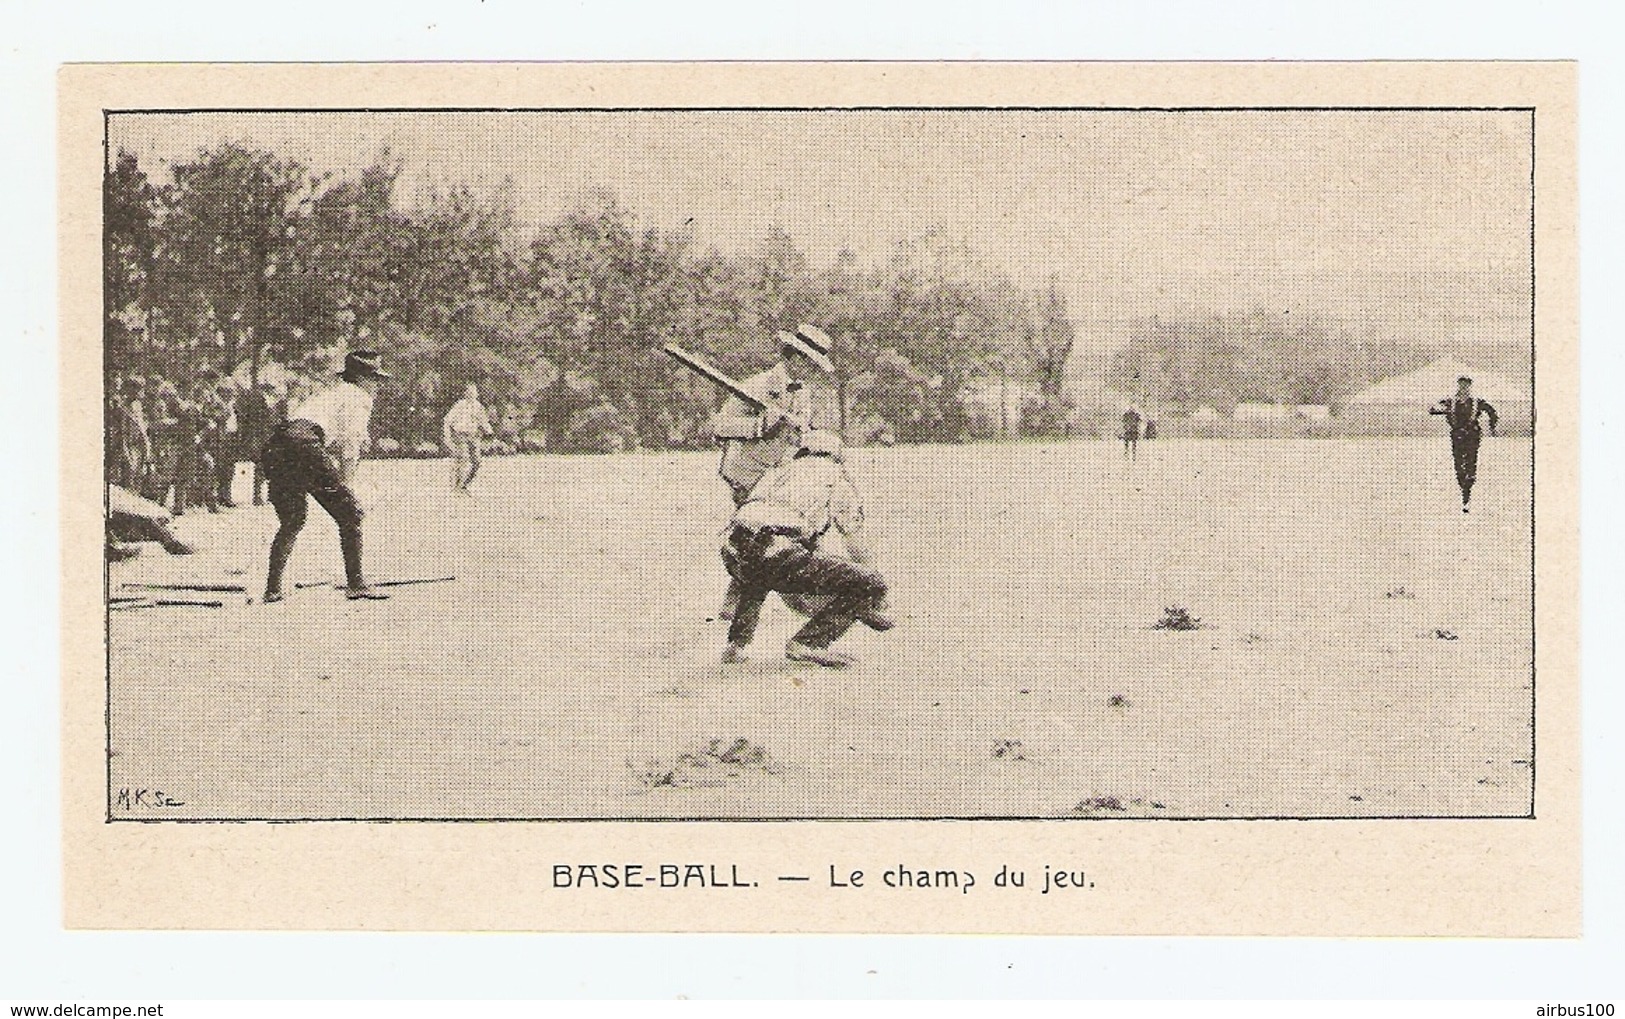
column 1365, row 647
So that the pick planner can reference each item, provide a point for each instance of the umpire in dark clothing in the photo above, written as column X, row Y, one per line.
column 1462, row 411
column 315, row 453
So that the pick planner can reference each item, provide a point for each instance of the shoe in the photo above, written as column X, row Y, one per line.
column 878, row 618
column 799, row 652
column 734, row 653
column 365, row 594
column 272, row 597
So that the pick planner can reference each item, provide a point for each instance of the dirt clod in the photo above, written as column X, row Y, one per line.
column 1095, row 804
column 709, row 766
column 1176, row 618
column 1008, row 750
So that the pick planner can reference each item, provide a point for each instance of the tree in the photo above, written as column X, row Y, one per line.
column 230, row 234
column 130, row 236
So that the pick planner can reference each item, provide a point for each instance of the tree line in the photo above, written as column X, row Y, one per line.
column 1180, row 364
column 244, row 262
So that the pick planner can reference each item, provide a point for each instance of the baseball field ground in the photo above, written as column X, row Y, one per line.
column 1343, row 641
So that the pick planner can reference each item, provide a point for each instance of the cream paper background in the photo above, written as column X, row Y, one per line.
column 1471, row 877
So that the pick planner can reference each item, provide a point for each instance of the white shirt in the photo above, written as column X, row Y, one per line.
column 343, row 412
column 467, row 419
column 810, row 495
column 749, row 453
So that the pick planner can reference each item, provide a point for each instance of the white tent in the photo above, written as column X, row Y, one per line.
column 1399, row 405
column 1428, row 385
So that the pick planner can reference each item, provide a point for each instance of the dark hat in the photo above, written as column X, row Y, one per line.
column 363, row 364
column 1465, row 379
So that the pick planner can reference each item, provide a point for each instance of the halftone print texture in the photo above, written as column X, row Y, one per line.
column 1135, row 403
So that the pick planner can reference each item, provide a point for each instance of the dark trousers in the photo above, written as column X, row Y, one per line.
column 297, row 465
column 225, row 472
column 1464, row 450
column 762, row 563
column 195, row 481
column 730, row 599
column 259, row 482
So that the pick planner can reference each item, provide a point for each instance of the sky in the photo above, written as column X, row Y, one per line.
column 1411, row 225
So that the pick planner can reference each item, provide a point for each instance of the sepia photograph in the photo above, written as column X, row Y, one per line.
column 825, row 462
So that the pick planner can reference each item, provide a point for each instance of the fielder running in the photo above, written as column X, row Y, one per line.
column 1463, row 411
column 465, row 426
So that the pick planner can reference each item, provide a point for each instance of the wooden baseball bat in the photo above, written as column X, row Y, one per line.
column 301, row 585
column 204, row 588
column 703, row 367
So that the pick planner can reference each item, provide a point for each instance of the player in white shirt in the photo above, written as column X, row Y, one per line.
column 465, row 425
column 757, row 439
column 315, row 452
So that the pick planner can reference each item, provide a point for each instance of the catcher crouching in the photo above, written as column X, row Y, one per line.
column 772, row 545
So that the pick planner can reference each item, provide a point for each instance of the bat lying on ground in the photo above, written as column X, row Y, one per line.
column 203, row 588
column 301, row 585
column 413, row 580
column 125, row 604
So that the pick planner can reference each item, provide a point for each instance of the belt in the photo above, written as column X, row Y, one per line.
column 301, row 429
column 768, row 532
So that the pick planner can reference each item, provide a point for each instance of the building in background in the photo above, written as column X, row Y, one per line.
column 1399, row 405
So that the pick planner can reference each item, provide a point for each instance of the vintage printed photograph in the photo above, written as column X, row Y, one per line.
column 819, row 463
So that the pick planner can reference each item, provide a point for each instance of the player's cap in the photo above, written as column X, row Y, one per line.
column 812, row 343
column 1465, row 379
column 363, row 364
column 821, row 442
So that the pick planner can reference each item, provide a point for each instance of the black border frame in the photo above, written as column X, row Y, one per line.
column 110, row 818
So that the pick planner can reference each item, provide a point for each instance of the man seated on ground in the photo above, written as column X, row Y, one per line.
column 772, row 545
column 131, row 519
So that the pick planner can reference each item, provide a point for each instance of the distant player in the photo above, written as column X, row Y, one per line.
column 315, row 453
column 1463, row 411
column 772, row 545
column 465, row 426
column 1132, row 419
column 754, row 442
